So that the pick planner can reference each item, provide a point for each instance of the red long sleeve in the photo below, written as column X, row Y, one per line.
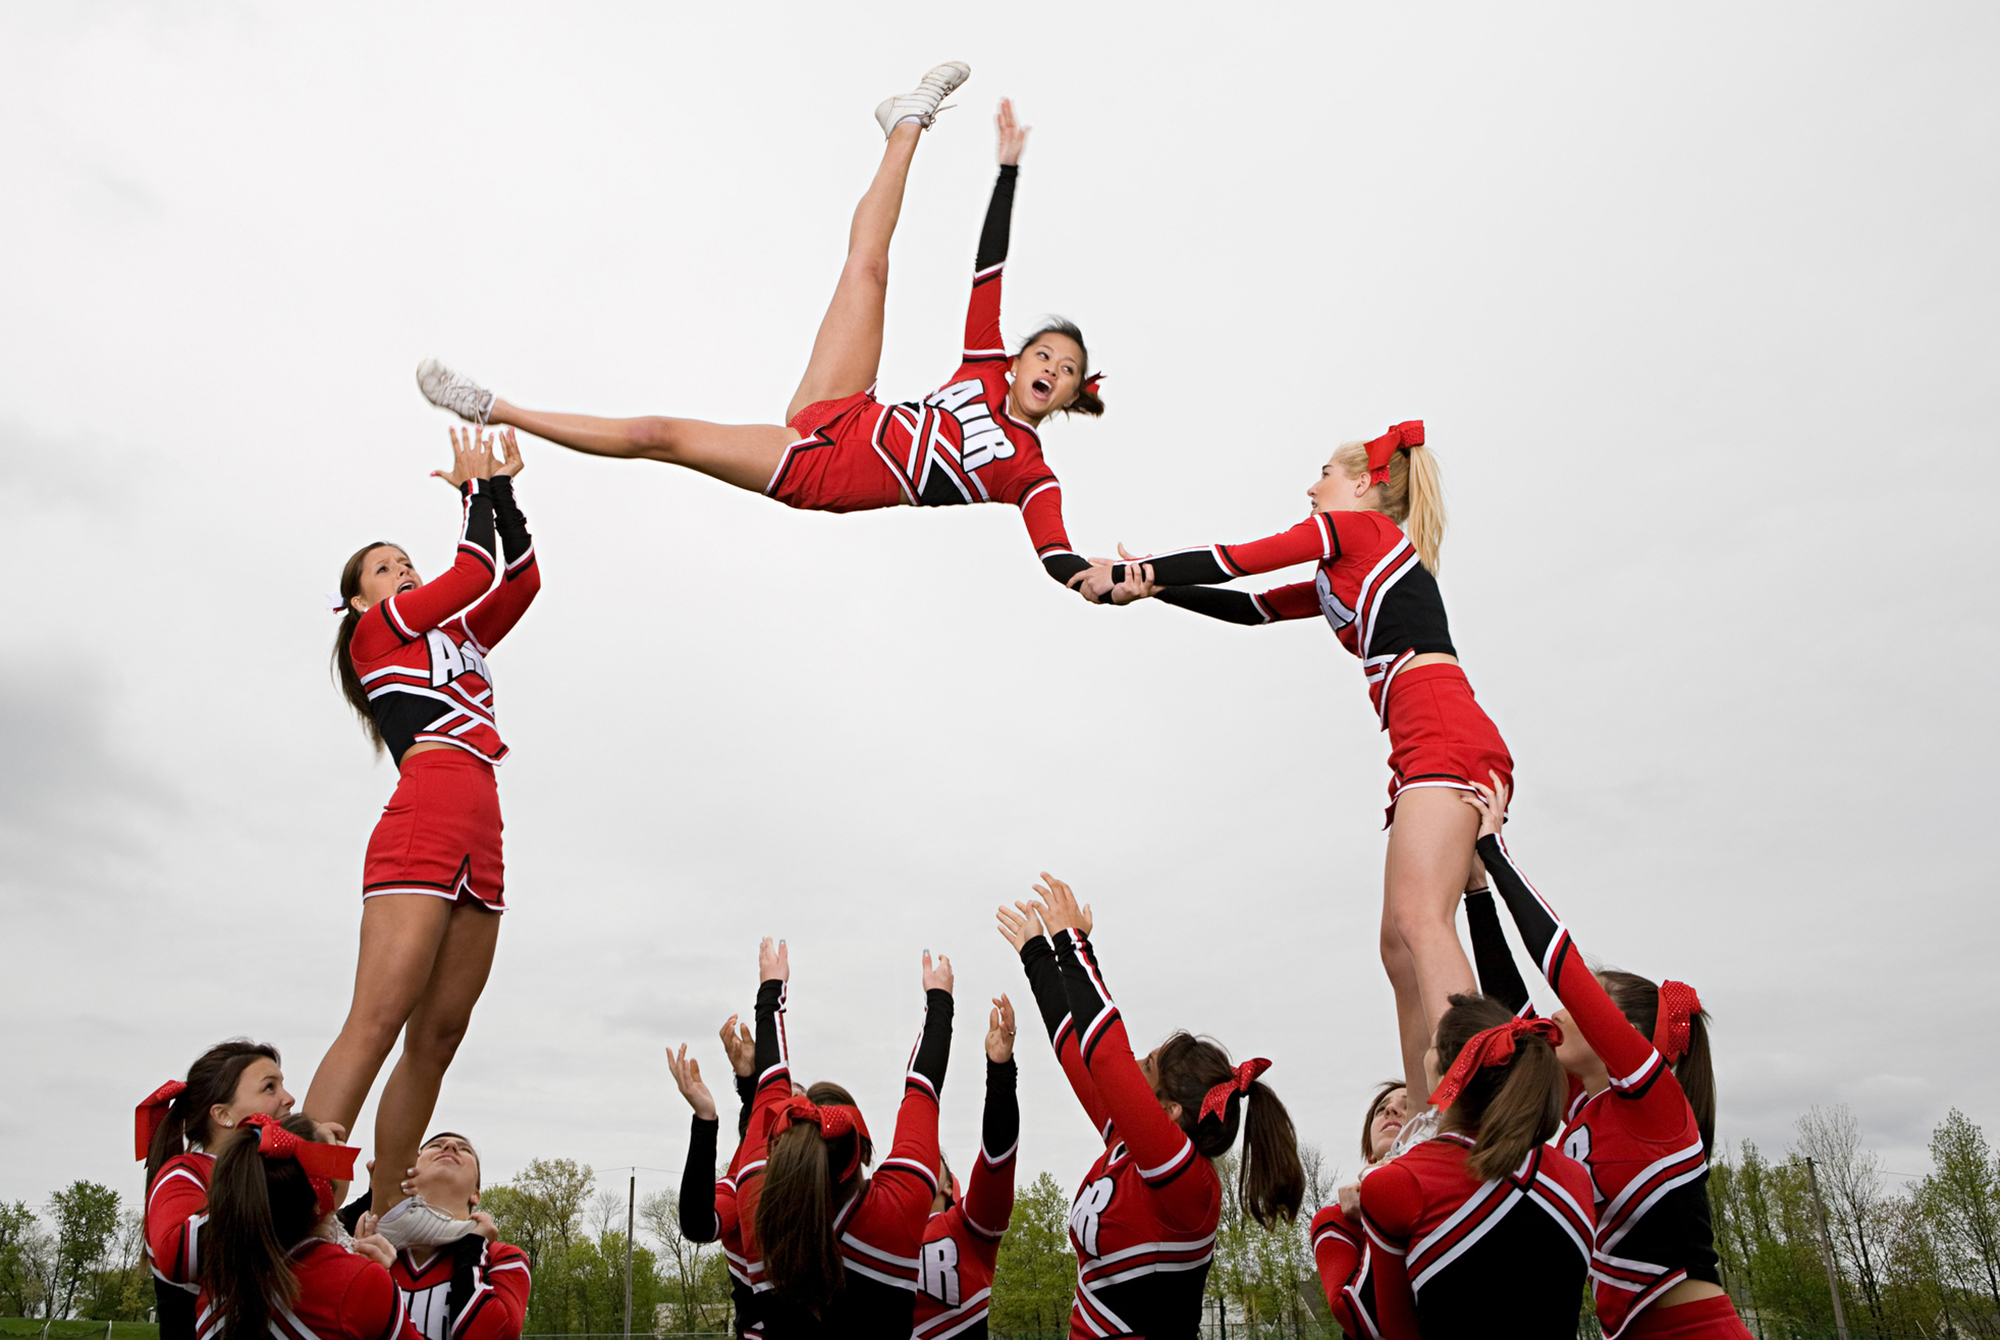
column 404, row 618
column 498, row 1307
column 176, row 1210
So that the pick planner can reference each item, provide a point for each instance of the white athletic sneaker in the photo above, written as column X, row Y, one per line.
column 415, row 1222
column 923, row 102
column 453, row 391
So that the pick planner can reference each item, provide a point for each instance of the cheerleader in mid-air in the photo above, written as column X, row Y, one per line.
column 181, row 1126
column 274, row 1264
column 962, row 1241
column 1641, row 1117
column 411, row 657
column 1377, row 520
column 1144, row 1221
column 974, row 440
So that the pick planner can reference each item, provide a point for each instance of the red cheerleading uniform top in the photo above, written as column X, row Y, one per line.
column 1638, row 1137
column 1368, row 1293
column 881, row 1227
column 176, row 1213
column 962, row 1242
column 1465, row 1244
column 421, row 655
column 1382, row 602
column 960, row 444
column 495, row 1304
column 1143, row 1223
column 341, row 1297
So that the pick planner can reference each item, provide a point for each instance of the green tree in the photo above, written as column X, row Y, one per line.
column 86, row 1217
column 27, row 1256
column 1962, row 1194
column 541, row 1212
column 1034, row 1281
column 693, row 1275
column 123, row 1287
column 1851, row 1182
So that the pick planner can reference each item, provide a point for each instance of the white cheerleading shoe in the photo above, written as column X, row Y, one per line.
column 415, row 1222
column 454, row 391
column 921, row 104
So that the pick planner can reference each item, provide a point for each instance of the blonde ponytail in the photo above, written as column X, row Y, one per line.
column 1412, row 497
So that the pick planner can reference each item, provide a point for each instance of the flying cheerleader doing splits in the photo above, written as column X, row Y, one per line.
column 974, row 440
column 1376, row 587
column 411, row 657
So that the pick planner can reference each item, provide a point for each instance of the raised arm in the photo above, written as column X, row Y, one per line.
column 989, row 1187
column 1638, row 1073
column 982, row 316
column 1499, row 976
column 1045, row 980
column 407, row 616
column 909, row 1174
column 495, row 616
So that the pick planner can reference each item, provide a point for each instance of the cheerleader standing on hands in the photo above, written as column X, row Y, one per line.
column 180, row 1129
column 1376, row 587
column 411, row 658
column 974, row 440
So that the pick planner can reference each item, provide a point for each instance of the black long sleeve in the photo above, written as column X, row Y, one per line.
column 1038, row 960
column 999, row 219
column 1187, row 567
column 1499, row 975
column 1000, row 1125
column 697, row 1204
column 1228, row 606
column 508, row 520
column 933, row 1051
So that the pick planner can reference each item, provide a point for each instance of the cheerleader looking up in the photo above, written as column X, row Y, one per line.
column 1377, row 520
column 411, row 658
column 974, row 440
column 180, row 1127
column 837, row 1248
column 1144, row 1221
column 1640, row 1115
column 273, row 1264
column 962, row 1241
column 1347, row 1266
column 473, row 1288
column 1486, row 1211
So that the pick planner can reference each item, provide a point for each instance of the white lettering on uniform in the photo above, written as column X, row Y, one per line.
column 938, row 1262
column 984, row 441
column 1336, row 613
column 449, row 660
column 1091, row 1203
column 1577, row 1144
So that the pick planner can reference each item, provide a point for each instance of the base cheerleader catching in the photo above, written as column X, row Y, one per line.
column 974, row 440
column 1377, row 521
column 473, row 1288
column 1144, row 1221
column 180, row 1127
column 411, row 657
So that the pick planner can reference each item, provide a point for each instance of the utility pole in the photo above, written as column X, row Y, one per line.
column 1826, row 1247
column 633, row 1199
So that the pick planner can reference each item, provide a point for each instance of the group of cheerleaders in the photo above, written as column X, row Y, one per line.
column 1517, row 1157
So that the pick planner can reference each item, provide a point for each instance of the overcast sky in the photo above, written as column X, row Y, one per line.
column 1698, row 306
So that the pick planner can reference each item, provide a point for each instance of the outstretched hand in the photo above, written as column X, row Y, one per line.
column 1000, row 1031
column 739, row 1044
column 512, row 464
column 1018, row 924
column 1013, row 135
column 1491, row 802
column 1059, row 909
column 472, row 456
column 937, row 978
column 774, row 961
column 687, row 1078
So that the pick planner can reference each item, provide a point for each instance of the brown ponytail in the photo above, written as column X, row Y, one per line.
column 1412, row 497
column 1508, row 1109
column 344, row 672
column 793, row 1220
column 211, row 1082
column 1270, row 1182
column 1639, row 1001
column 258, row 1210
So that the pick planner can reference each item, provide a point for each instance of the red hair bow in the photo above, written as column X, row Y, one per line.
column 1240, row 1079
column 152, row 1110
column 834, row 1121
column 1090, row 382
column 1402, row 437
column 1495, row 1046
column 1678, row 1007
column 322, row 1163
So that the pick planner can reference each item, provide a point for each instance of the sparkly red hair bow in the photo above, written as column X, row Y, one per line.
column 834, row 1121
column 1240, row 1079
column 1400, row 438
column 146, row 1118
column 1678, row 1007
column 1090, row 383
column 1495, row 1046
column 322, row 1163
